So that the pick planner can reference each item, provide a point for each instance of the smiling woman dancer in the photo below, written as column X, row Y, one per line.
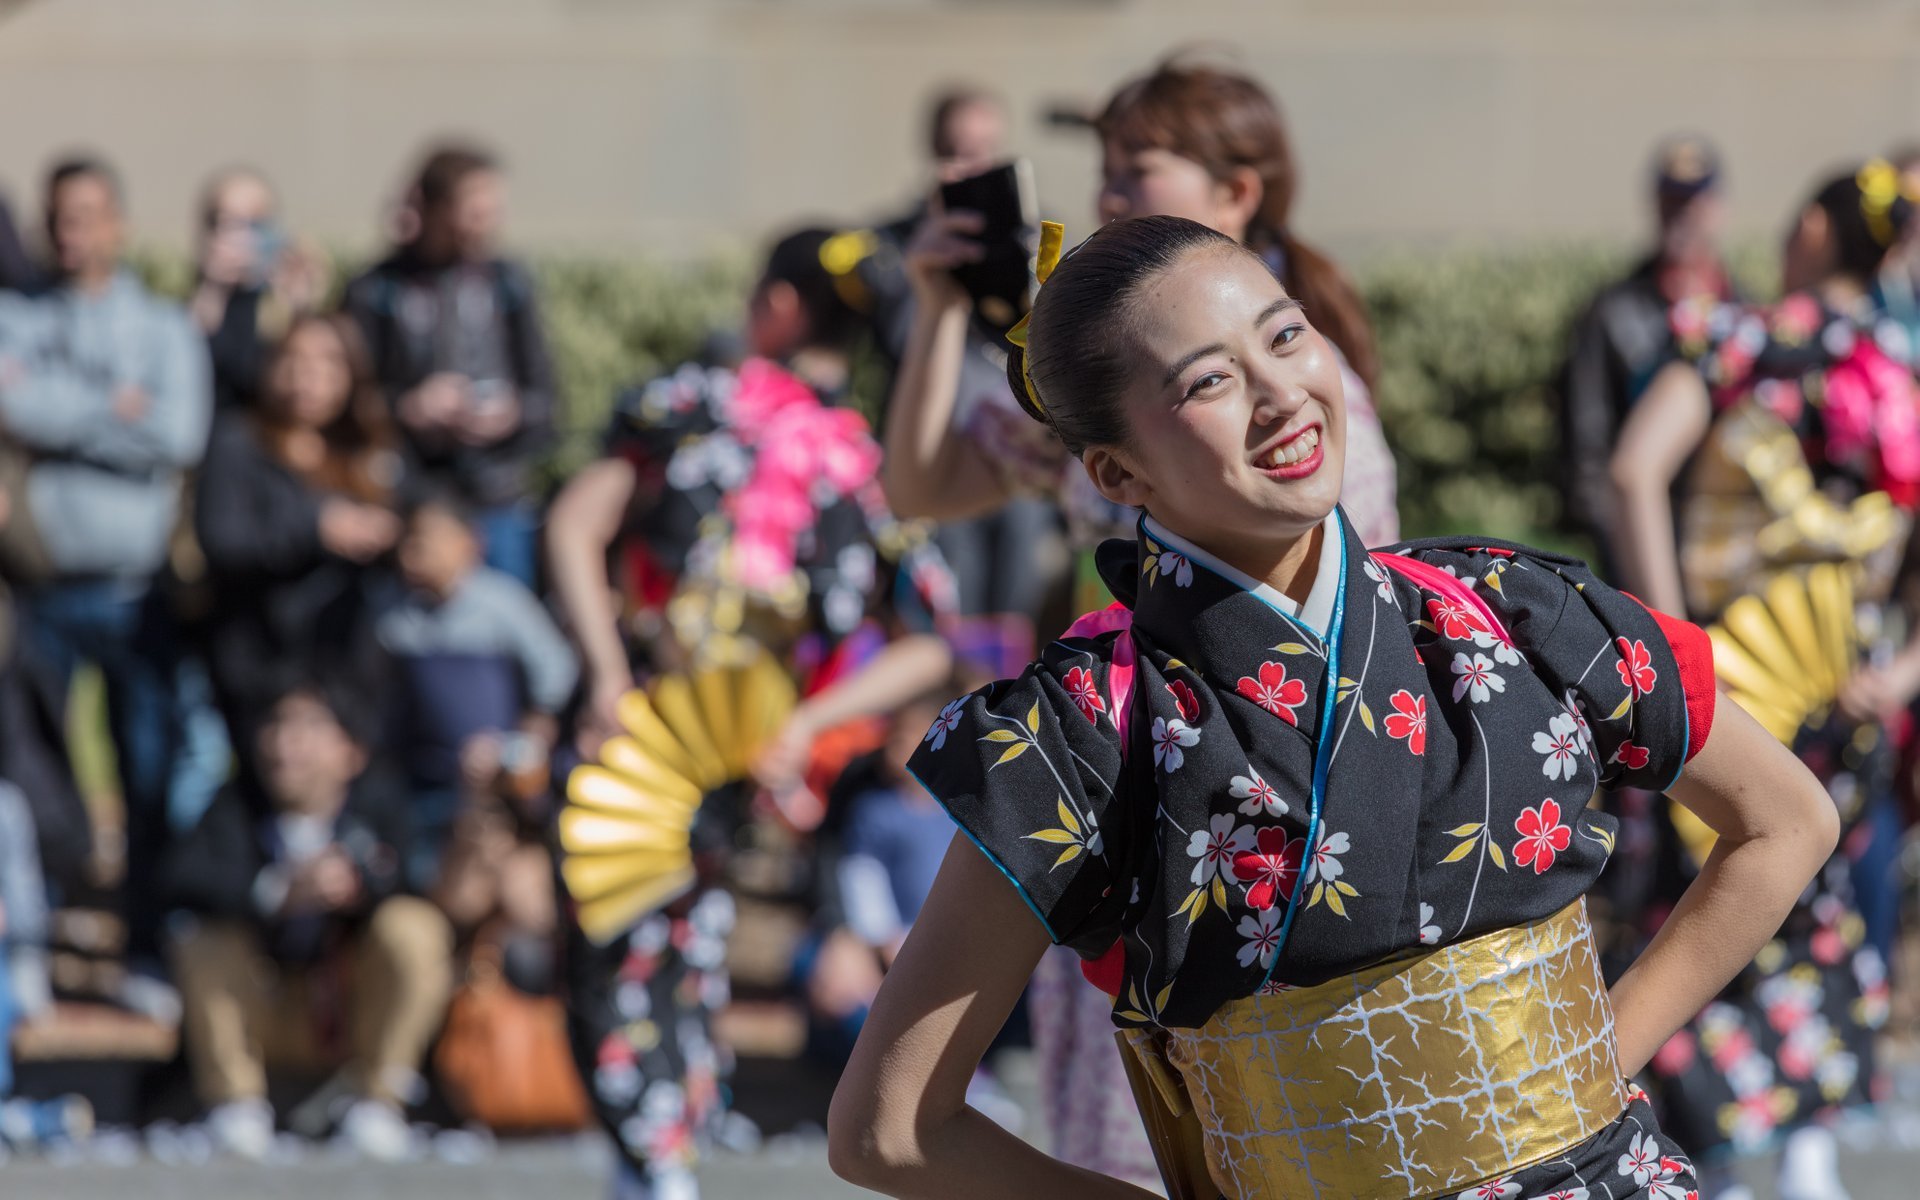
column 1315, row 817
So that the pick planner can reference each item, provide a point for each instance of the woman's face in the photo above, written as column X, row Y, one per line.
column 1810, row 254
column 1159, row 183
column 312, row 378
column 1236, row 423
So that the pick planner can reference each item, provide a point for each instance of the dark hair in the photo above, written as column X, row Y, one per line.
column 829, row 299
column 1868, row 213
column 84, row 166
column 445, row 168
column 345, row 699
column 1225, row 121
column 362, row 461
column 946, row 103
column 1076, row 338
column 446, row 498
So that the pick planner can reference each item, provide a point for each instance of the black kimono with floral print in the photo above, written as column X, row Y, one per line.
column 1294, row 806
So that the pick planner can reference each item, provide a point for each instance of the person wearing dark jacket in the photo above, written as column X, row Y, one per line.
column 455, row 334
column 294, row 510
column 251, row 279
column 1628, row 332
column 289, row 879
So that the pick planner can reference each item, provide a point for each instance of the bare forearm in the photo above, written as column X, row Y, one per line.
column 1649, row 557
column 587, row 600
column 901, row 671
column 1743, row 893
column 926, row 464
column 967, row 1156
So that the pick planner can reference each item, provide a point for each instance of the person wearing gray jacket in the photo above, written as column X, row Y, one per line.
column 106, row 393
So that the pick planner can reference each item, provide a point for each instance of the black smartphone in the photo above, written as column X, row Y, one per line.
column 1001, row 282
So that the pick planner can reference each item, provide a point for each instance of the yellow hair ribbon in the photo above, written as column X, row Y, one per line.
column 841, row 256
column 1052, row 236
column 1879, row 186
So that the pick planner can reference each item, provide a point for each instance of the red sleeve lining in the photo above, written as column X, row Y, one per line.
column 1693, row 651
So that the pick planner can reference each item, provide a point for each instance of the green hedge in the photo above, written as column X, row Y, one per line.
column 1471, row 341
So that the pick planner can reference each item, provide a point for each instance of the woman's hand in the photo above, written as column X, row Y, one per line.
column 1880, row 693
column 941, row 242
column 357, row 532
column 600, row 716
column 781, row 764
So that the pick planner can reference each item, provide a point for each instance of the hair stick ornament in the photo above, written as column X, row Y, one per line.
column 1052, row 236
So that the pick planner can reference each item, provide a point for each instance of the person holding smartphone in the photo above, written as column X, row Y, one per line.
column 1184, row 140
column 251, row 280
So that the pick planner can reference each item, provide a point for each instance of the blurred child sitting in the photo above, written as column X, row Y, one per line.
column 483, row 671
column 294, row 922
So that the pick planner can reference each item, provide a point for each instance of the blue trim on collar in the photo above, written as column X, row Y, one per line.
column 1322, row 760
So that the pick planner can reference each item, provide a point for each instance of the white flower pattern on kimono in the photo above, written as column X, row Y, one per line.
column 1262, row 931
column 1214, row 847
column 1379, row 577
column 1326, row 868
column 1560, row 742
column 1477, row 679
column 1256, row 796
column 1429, row 932
column 1170, row 739
column 1642, row 1159
column 946, row 722
column 1175, row 564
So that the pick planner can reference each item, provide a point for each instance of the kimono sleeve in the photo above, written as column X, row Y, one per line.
column 1029, row 769
column 1640, row 683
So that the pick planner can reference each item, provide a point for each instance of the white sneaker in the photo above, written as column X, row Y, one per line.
column 1810, row 1166
column 377, row 1130
column 242, row 1128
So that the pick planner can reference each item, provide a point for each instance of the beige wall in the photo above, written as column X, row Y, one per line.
column 667, row 124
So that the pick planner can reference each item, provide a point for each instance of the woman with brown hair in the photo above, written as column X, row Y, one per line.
column 1185, row 140
column 296, row 501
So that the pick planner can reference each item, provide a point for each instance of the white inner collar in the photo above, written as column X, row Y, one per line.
column 1316, row 613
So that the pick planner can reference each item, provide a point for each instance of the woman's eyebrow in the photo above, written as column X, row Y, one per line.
column 1272, row 310
column 1266, row 314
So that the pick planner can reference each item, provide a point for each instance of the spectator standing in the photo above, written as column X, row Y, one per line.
column 1627, row 334
column 105, row 387
column 290, row 878
column 454, row 330
column 1007, row 560
column 251, row 280
column 295, row 504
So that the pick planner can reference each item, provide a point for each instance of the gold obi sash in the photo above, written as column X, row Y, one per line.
column 1413, row 1078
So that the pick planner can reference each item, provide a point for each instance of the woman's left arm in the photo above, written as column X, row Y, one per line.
column 905, row 668
column 1776, row 827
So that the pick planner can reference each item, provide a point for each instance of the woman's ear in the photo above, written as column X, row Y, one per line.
column 1237, row 199
column 1115, row 477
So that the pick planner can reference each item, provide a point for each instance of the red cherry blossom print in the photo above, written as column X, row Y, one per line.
column 1271, row 868
column 1636, row 667
column 1408, row 720
column 1086, row 693
column 1274, row 692
column 1631, row 756
column 1542, row 836
column 1455, row 620
column 1183, row 697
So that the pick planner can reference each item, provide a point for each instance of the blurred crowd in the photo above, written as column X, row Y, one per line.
column 351, row 635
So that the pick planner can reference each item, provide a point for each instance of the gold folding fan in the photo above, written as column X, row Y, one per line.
column 1782, row 653
column 626, row 831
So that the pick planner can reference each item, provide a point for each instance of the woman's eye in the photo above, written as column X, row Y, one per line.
column 1289, row 335
column 1206, row 382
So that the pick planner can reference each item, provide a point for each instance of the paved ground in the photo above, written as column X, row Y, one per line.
column 574, row 1171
